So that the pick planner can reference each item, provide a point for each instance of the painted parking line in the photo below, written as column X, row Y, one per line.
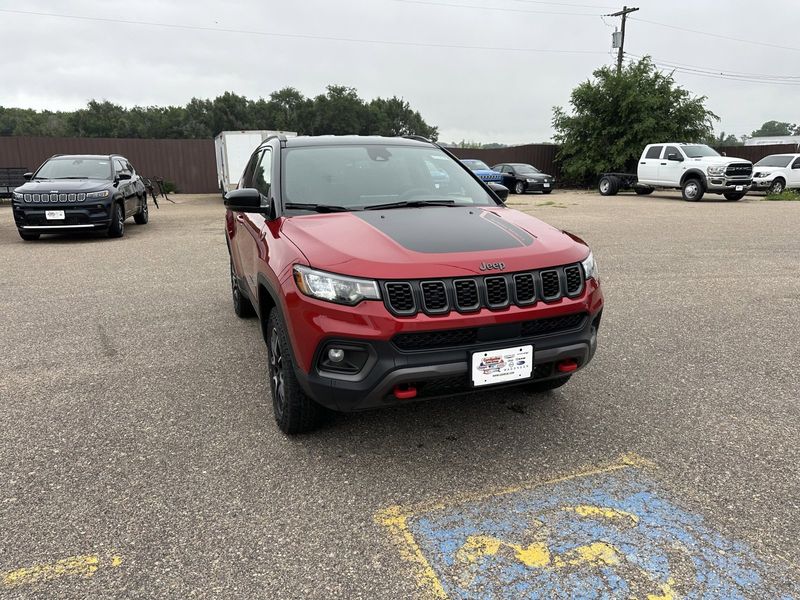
column 608, row 532
column 73, row 566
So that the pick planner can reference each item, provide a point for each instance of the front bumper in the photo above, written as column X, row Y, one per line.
column 762, row 183
column 724, row 184
column 440, row 369
column 76, row 217
column 539, row 186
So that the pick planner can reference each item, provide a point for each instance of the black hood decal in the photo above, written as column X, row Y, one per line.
column 439, row 230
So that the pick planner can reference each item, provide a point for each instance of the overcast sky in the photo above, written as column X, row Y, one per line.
column 501, row 91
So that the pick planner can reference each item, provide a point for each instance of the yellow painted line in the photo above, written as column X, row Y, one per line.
column 73, row 566
column 395, row 519
column 612, row 514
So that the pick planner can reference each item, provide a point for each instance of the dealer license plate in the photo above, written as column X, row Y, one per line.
column 501, row 366
column 546, row 185
column 739, row 188
column 54, row 215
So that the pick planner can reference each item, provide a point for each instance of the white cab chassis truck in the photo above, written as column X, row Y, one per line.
column 695, row 169
column 233, row 149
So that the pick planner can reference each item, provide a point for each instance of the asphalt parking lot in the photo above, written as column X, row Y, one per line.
column 138, row 457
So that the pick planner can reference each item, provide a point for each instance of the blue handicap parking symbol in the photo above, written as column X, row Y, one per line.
column 609, row 533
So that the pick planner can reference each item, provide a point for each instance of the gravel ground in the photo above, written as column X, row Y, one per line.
column 137, row 431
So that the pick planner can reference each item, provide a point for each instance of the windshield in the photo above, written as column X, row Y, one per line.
column 476, row 165
column 356, row 176
column 699, row 151
column 526, row 169
column 776, row 160
column 75, row 168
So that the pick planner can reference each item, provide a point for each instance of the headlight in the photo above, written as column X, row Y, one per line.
column 717, row 170
column 93, row 195
column 589, row 267
column 531, row 180
column 335, row 288
column 18, row 196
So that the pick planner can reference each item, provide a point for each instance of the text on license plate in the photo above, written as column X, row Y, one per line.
column 739, row 188
column 54, row 215
column 500, row 366
column 546, row 185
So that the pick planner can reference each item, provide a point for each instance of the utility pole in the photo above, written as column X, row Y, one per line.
column 624, row 14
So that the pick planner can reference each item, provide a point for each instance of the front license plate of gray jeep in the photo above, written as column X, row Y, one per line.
column 501, row 366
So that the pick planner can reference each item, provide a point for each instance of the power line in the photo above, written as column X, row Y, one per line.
column 296, row 35
column 497, row 8
column 717, row 35
column 564, row 4
column 730, row 76
column 723, row 72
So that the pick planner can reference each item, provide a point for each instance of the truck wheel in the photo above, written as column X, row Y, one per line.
column 609, row 186
column 692, row 190
column 143, row 216
column 644, row 191
column 117, row 227
column 778, row 185
column 538, row 387
column 294, row 411
column 28, row 237
column 733, row 196
column 519, row 188
column 241, row 305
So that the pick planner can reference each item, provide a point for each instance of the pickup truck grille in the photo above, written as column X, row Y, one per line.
column 495, row 292
column 454, row 338
column 739, row 170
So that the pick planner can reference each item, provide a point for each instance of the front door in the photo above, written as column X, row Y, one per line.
column 670, row 167
column 794, row 174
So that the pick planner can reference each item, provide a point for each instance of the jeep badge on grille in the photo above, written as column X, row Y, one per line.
column 499, row 266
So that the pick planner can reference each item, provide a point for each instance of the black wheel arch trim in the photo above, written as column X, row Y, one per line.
column 694, row 174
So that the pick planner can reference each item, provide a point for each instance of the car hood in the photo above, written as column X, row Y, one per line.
column 63, row 185
column 764, row 171
column 717, row 160
column 430, row 242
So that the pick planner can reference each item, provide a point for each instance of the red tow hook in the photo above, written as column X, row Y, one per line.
column 568, row 365
column 405, row 391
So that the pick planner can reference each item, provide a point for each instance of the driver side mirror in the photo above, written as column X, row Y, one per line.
column 123, row 176
column 245, row 200
column 27, row 176
column 675, row 157
column 500, row 190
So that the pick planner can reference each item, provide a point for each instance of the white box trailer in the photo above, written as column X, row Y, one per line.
column 233, row 150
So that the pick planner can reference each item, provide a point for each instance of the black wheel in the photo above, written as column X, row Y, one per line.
column 545, row 192
column 733, row 196
column 778, row 185
column 294, row 411
column 644, row 191
column 117, row 227
column 538, row 387
column 609, row 186
column 28, row 237
column 519, row 188
column 143, row 216
column 241, row 304
column 692, row 190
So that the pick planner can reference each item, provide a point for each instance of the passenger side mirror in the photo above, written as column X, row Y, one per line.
column 27, row 176
column 500, row 190
column 675, row 157
column 245, row 200
column 121, row 176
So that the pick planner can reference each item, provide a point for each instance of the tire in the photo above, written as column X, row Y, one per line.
column 692, row 190
column 28, row 237
column 143, row 216
column 733, row 196
column 778, row 185
column 539, row 387
column 294, row 411
column 644, row 191
column 519, row 188
column 117, row 227
column 241, row 304
column 608, row 186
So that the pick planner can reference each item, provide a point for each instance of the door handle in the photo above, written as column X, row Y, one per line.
column 663, row 163
column 643, row 163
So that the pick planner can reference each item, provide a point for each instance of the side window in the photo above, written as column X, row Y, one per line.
column 672, row 150
column 796, row 164
column 118, row 167
column 247, row 177
column 129, row 167
column 654, row 152
column 262, row 178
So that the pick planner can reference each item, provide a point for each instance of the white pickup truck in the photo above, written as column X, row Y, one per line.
column 695, row 169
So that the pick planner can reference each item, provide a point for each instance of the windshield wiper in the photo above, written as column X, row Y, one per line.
column 410, row 203
column 72, row 177
column 320, row 208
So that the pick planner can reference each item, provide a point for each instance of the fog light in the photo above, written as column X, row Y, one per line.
column 336, row 355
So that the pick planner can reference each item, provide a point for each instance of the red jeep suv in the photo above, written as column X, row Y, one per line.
column 383, row 271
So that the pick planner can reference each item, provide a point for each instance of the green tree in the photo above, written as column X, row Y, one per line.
column 773, row 128
column 723, row 139
column 394, row 116
column 615, row 115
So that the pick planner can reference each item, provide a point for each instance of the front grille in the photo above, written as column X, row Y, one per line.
column 453, row 338
column 496, row 292
column 434, row 296
column 400, row 296
column 53, row 198
column 739, row 170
